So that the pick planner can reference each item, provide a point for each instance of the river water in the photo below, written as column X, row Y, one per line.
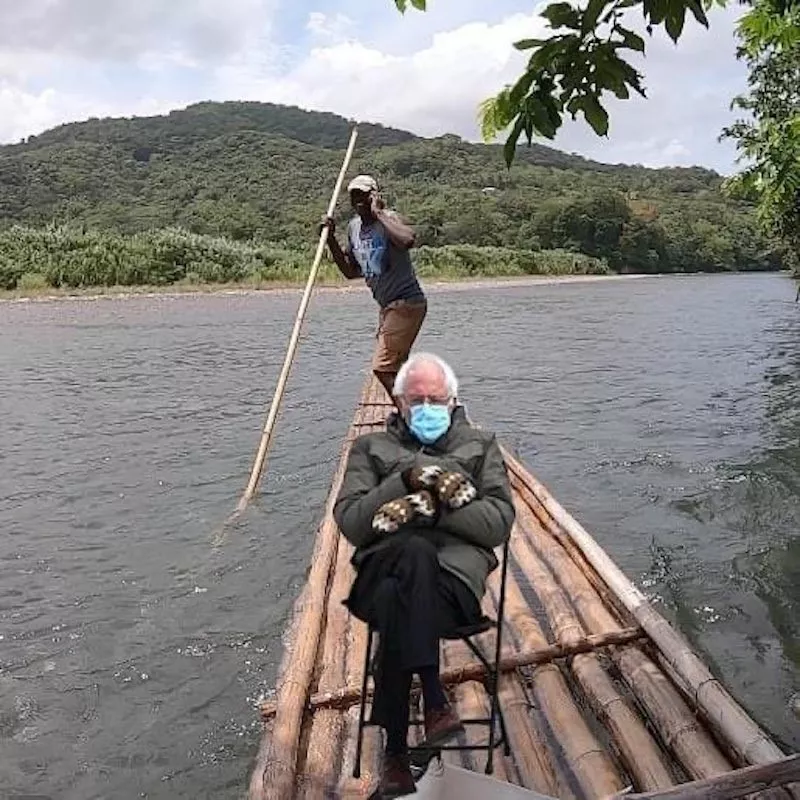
column 663, row 412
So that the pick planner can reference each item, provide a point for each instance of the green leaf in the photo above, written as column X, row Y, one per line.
column 655, row 11
column 630, row 40
column 402, row 5
column 632, row 77
column 538, row 112
column 521, row 88
column 562, row 15
column 558, row 51
column 510, row 147
column 595, row 114
column 527, row 44
column 675, row 19
column 698, row 11
column 591, row 15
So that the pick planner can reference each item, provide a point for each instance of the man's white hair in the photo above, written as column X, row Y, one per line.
column 417, row 360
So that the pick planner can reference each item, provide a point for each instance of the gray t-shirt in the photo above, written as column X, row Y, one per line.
column 386, row 268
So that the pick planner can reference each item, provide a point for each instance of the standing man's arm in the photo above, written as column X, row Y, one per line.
column 398, row 230
column 343, row 258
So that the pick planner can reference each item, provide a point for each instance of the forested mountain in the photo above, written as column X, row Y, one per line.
column 256, row 171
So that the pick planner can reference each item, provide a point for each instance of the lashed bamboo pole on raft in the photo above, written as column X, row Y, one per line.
column 537, row 765
column 274, row 774
column 739, row 783
column 640, row 753
column 653, row 684
column 574, row 741
column 326, row 726
column 693, row 747
column 356, row 646
column 269, row 426
column 728, row 718
column 473, row 670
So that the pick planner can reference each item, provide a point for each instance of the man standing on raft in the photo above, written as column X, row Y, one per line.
column 377, row 249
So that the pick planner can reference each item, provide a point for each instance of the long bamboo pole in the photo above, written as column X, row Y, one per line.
column 537, row 763
column 473, row 670
column 269, row 426
column 751, row 744
column 324, row 741
column 739, row 783
column 585, row 757
column 350, row 787
column 276, row 766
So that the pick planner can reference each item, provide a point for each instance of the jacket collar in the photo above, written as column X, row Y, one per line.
column 396, row 427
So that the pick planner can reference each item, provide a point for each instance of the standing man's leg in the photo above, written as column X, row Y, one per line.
column 398, row 327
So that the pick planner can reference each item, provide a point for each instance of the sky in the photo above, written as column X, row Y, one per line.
column 68, row 60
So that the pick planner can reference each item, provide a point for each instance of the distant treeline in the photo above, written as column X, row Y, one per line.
column 32, row 258
column 245, row 173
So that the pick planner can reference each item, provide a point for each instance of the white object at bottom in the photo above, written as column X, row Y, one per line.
column 445, row 782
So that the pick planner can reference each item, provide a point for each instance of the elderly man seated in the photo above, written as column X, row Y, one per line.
column 424, row 503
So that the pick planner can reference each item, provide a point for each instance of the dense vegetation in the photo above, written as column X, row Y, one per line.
column 240, row 188
column 768, row 137
column 584, row 57
column 32, row 258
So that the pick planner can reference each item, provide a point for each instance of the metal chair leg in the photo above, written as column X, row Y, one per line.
column 492, row 718
column 362, row 710
column 503, row 730
column 494, row 709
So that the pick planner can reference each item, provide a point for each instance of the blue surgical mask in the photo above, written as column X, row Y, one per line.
column 428, row 422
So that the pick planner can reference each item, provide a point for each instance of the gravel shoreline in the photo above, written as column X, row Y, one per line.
column 129, row 292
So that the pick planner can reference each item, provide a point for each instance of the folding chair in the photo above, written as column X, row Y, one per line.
column 491, row 684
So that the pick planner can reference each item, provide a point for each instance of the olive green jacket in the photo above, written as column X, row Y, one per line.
column 466, row 537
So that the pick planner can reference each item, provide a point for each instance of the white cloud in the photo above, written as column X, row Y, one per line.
column 329, row 27
column 430, row 91
column 121, row 30
column 23, row 113
column 431, row 84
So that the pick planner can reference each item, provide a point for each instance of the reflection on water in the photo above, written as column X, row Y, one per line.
column 664, row 413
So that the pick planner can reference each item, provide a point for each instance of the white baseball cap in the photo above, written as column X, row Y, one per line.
column 363, row 183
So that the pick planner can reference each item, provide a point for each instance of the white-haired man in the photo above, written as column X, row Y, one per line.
column 377, row 249
column 424, row 503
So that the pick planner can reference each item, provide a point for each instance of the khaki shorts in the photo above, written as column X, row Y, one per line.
column 398, row 326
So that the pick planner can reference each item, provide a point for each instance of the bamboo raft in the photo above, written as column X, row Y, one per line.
column 601, row 696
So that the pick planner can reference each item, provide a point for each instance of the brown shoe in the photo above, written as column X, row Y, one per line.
column 396, row 777
column 441, row 724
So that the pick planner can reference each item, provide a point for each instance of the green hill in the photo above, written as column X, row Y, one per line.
column 261, row 175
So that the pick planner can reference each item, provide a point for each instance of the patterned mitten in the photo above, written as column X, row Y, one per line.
column 422, row 477
column 423, row 503
column 455, row 490
column 391, row 516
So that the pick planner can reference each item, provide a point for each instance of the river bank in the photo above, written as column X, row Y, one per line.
column 50, row 294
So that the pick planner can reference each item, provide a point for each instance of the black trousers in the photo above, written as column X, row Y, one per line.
column 412, row 603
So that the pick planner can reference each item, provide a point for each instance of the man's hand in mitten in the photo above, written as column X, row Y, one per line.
column 422, row 477
column 391, row 516
column 455, row 490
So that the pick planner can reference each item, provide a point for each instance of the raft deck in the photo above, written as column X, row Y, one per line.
column 600, row 694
